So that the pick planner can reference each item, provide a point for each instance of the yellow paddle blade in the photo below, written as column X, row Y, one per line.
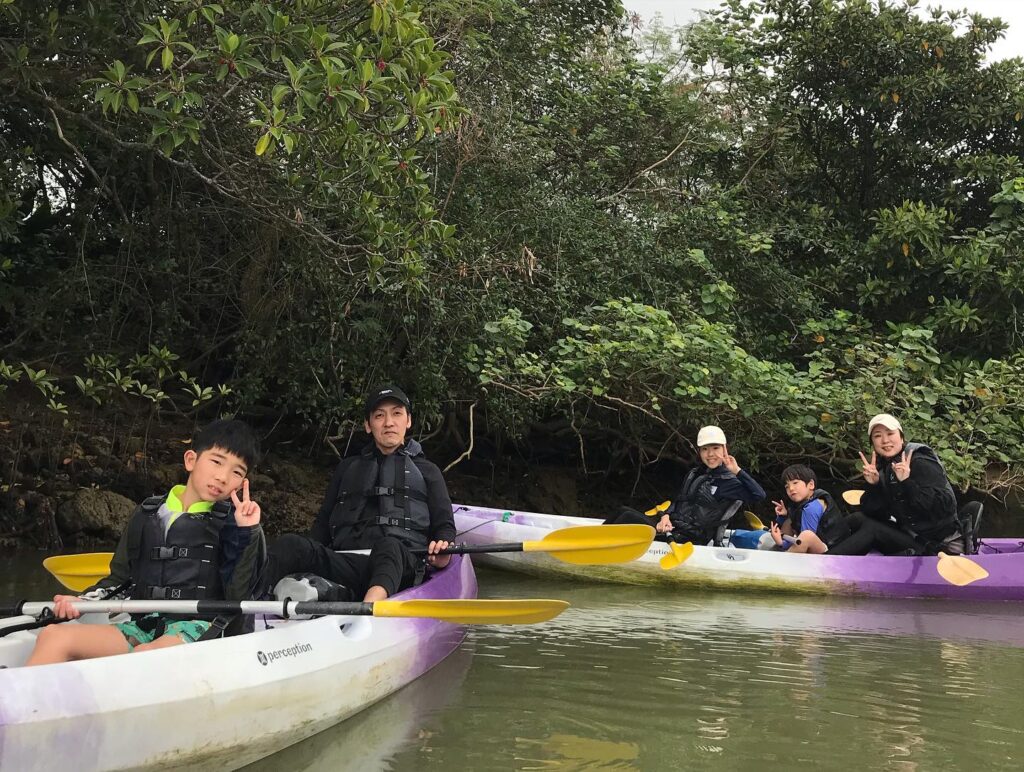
column 657, row 510
column 595, row 544
column 754, row 521
column 958, row 570
column 78, row 572
column 678, row 554
column 473, row 612
column 853, row 497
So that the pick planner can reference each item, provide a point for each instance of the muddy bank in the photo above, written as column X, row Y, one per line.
column 73, row 487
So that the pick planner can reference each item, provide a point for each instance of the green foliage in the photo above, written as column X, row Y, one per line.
column 789, row 217
column 808, row 252
column 199, row 172
column 149, row 381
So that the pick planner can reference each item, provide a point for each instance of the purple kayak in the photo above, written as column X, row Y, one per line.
column 733, row 568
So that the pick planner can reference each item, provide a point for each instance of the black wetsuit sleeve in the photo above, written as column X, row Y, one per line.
column 927, row 487
column 243, row 558
column 120, row 568
column 753, row 490
column 321, row 530
column 442, row 520
column 675, row 509
column 743, row 487
column 874, row 503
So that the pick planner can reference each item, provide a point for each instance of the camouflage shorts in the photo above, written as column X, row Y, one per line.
column 139, row 631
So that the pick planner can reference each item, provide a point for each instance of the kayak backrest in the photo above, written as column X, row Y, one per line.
column 721, row 538
column 970, row 522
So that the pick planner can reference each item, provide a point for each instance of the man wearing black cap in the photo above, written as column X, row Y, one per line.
column 389, row 499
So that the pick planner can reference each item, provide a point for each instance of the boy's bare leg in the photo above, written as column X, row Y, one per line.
column 67, row 642
column 160, row 643
column 809, row 542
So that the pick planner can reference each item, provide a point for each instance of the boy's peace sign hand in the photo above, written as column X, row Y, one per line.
column 247, row 511
column 780, row 508
column 870, row 470
column 901, row 468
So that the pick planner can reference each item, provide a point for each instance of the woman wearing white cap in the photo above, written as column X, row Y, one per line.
column 907, row 483
column 707, row 491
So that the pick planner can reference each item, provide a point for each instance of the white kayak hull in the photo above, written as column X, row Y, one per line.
column 219, row 704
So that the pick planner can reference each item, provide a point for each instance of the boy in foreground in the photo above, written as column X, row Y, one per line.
column 188, row 545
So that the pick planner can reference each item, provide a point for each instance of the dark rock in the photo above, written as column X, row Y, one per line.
column 551, row 491
column 261, row 482
column 28, row 515
column 96, row 512
column 292, row 477
column 132, row 445
column 166, row 476
column 98, row 446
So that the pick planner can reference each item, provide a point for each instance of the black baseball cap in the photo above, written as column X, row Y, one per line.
column 384, row 393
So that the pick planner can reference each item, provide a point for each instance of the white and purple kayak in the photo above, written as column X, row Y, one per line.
column 734, row 568
column 222, row 703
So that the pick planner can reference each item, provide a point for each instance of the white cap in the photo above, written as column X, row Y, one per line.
column 886, row 420
column 710, row 435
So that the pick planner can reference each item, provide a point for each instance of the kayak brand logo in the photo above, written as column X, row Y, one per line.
column 266, row 658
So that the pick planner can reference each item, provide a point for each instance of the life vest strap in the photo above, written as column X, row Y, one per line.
column 398, row 522
column 174, row 553
column 398, row 492
column 175, row 593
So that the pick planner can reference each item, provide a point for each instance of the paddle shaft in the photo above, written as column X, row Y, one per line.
column 200, row 607
column 471, row 549
column 469, row 611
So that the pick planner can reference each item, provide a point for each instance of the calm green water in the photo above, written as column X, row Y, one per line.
column 634, row 678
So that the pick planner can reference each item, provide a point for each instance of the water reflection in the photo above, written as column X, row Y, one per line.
column 368, row 740
column 632, row 679
column 641, row 679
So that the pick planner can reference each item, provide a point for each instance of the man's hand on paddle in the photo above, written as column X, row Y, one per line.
column 901, row 468
column 870, row 469
column 433, row 558
column 664, row 524
column 247, row 511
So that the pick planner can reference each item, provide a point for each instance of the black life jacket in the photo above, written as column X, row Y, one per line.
column 184, row 564
column 931, row 524
column 384, row 491
column 831, row 528
column 696, row 513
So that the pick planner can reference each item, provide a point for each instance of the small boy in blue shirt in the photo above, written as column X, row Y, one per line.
column 810, row 515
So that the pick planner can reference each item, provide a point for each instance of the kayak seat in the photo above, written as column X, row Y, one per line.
column 970, row 521
column 721, row 537
column 303, row 587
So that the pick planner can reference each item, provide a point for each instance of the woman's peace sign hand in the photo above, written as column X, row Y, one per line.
column 247, row 511
column 901, row 468
column 870, row 470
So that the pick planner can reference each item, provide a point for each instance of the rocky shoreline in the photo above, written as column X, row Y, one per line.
column 64, row 489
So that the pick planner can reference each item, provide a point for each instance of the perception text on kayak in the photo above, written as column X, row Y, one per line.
column 266, row 658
